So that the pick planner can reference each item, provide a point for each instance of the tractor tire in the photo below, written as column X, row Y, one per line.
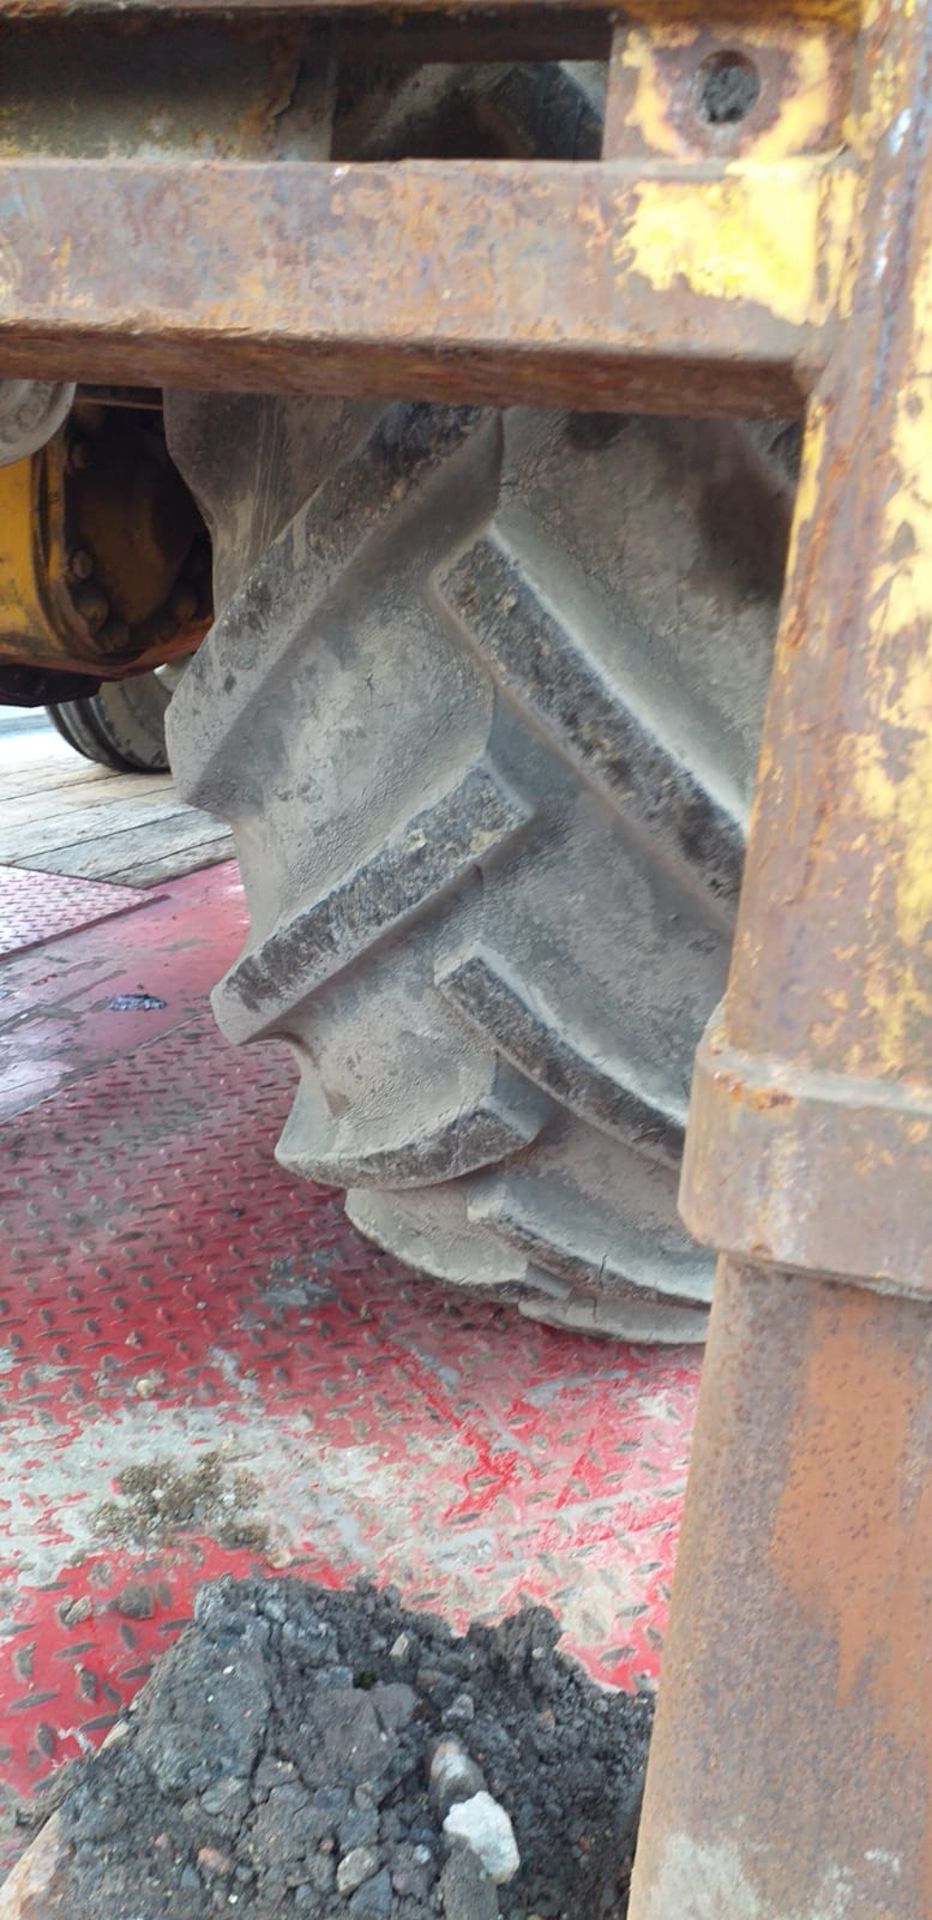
column 481, row 706
column 122, row 725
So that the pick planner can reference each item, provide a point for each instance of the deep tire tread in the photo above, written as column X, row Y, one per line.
column 482, row 708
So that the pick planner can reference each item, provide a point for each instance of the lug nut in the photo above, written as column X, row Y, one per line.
column 79, row 455
column 80, row 565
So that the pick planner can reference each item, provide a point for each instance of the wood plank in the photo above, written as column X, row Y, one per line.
column 60, row 813
column 150, row 872
column 44, row 776
column 40, row 828
column 117, row 855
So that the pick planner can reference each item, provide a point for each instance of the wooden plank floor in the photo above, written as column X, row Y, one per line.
column 60, row 813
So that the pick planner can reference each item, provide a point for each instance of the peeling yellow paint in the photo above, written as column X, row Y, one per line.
column 759, row 234
column 805, row 104
column 649, row 111
column 23, row 613
column 893, row 768
column 810, row 480
column 841, row 13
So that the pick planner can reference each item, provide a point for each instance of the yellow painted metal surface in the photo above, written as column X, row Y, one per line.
column 96, row 539
column 756, row 209
column 31, row 556
column 768, row 235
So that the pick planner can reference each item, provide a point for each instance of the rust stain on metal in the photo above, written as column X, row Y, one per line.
column 570, row 293
column 798, row 74
column 801, row 1637
column 852, row 1537
column 848, row 1539
column 790, row 1775
column 843, row 812
column 841, row 12
column 791, row 1164
column 831, row 982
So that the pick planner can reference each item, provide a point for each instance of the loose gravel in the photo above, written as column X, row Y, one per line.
column 306, row 1755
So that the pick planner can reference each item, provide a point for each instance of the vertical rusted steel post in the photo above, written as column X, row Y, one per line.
column 791, row 1771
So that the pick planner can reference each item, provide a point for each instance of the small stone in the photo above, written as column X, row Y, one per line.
column 487, row 1829
column 413, row 1871
column 400, row 1648
column 72, row 1613
column 355, row 1867
column 211, row 1860
column 461, row 1711
column 453, row 1776
column 334, row 1800
column 394, row 1703
column 321, row 1872
column 466, row 1892
column 273, row 1773
column 374, row 1900
column 222, row 1794
column 135, row 1601
column 358, row 1828
column 336, row 1677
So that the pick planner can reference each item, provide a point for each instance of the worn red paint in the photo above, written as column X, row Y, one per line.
column 161, row 1274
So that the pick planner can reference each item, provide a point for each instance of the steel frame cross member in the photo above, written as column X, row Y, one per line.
column 791, row 1771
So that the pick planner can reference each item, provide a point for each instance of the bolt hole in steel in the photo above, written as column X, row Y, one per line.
column 729, row 86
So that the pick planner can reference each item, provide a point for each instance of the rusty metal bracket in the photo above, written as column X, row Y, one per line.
column 697, row 266
column 791, row 1768
column 799, row 1167
column 494, row 281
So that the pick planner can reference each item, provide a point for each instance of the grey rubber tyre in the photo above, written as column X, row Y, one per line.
column 122, row 725
column 482, row 708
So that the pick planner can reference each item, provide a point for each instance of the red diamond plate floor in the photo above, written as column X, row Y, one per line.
column 56, row 1020
column 35, row 907
column 204, row 1368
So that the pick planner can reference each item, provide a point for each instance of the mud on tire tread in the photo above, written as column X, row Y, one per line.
column 482, row 707
column 482, row 710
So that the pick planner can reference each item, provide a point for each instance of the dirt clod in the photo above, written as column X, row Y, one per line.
column 157, row 1500
column 278, row 1766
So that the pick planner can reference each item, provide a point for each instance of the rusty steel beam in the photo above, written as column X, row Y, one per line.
column 704, row 287
column 788, row 1777
column 791, row 1770
column 843, row 13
